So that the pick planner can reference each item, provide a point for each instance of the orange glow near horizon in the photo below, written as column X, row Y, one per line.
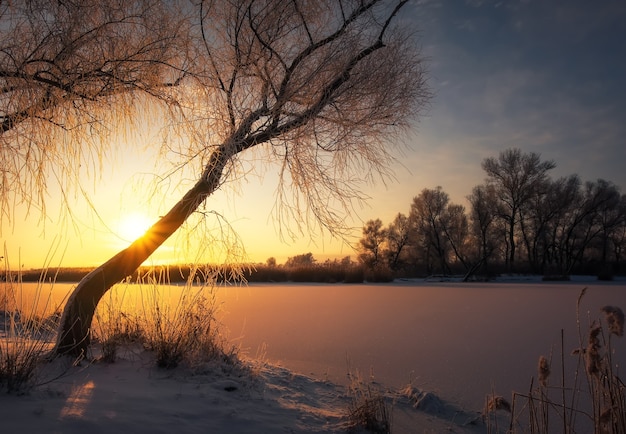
column 89, row 235
column 121, row 204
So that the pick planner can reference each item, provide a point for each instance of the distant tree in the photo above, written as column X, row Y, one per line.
column 304, row 260
column 456, row 229
column 441, row 229
column 323, row 88
column 271, row 262
column 595, row 219
column 610, row 219
column 618, row 234
column 425, row 215
column 584, row 221
column 372, row 244
column 541, row 219
column 346, row 261
column 516, row 177
column 398, row 238
column 564, row 196
column 483, row 214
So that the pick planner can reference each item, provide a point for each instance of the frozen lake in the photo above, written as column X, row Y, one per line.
column 460, row 340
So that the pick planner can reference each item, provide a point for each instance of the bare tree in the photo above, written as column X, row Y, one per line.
column 398, row 238
column 588, row 220
column 323, row 88
column 618, row 234
column 542, row 215
column 517, row 177
column 483, row 215
column 429, row 218
column 456, row 230
column 372, row 245
column 610, row 218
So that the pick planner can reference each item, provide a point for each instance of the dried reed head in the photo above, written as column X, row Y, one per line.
column 497, row 402
column 592, row 352
column 544, row 371
column 615, row 319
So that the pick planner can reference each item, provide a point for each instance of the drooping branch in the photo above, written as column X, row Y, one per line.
column 71, row 75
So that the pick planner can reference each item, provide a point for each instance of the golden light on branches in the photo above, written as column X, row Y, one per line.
column 324, row 89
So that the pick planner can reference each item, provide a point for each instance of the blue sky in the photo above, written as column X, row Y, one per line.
column 545, row 76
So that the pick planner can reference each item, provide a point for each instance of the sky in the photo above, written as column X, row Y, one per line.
column 543, row 76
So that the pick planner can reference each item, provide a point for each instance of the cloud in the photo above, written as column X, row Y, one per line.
column 544, row 76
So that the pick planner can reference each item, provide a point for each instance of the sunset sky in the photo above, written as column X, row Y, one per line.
column 543, row 76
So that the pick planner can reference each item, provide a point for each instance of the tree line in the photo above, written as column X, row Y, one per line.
column 520, row 220
column 299, row 268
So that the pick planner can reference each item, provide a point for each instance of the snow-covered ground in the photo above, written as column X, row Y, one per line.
column 459, row 341
column 132, row 396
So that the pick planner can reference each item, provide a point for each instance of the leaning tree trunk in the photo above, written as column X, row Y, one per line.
column 74, row 330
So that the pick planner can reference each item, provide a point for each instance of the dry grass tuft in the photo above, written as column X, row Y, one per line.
column 113, row 328
column 368, row 410
column 25, row 340
column 182, row 326
column 179, row 323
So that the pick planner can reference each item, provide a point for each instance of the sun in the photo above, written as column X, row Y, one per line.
column 133, row 226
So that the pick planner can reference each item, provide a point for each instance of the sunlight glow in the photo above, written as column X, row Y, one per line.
column 133, row 226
